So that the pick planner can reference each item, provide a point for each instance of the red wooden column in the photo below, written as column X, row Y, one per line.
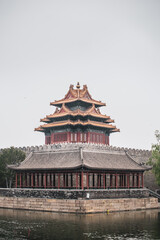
column 16, row 179
column 20, row 180
column 110, row 181
column 98, row 180
column 133, row 185
column 32, row 180
column 138, row 180
column 68, row 137
column 54, row 180
column 104, row 139
column 142, row 180
column 107, row 140
column 47, row 182
column 40, row 180
column 88, row 137
column 25, row 176
column 50, row 179
column 128, row 182
column 44, row 180
column 71, row 180
column 37, row 182
column 116, row 180
column 123, row 180
column 106, row 180
column 87, row 180
column 82, row 180
column 104, row 184
column 64, row 180
column 52, row 138
column 93, row 180
column 113, row 181
column 78, row 136
column 28, row 180
column 58, row 180
column 76, row 180
column 67, row 181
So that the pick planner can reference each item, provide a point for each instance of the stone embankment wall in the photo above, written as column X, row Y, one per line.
column 78, row 205
column 82, row 201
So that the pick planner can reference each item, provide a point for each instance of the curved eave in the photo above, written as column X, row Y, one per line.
column 115, row 169
column 43, row 169
column 92, row 123
column 109, row 121
column 147, row 168
column 60, row 102
column 46, row 120
column 115, row 130
column 59, row 115
column 141, row 169
column 39, row 129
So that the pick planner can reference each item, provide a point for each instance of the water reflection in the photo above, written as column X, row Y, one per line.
column 16, row 224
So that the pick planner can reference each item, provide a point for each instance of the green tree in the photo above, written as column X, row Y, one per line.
column 9, row 156
column 155, row 158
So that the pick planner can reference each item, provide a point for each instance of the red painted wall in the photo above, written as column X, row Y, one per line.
column 92, row 137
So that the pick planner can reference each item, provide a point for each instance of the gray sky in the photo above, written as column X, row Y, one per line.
column 112, row 46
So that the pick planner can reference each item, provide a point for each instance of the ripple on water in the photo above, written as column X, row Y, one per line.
column 141, row 236
column 18, row 225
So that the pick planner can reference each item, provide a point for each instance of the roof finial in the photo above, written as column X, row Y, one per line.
column 78, row 85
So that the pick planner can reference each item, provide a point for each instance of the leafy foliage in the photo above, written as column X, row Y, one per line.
column 9, row 156
column 155, row 159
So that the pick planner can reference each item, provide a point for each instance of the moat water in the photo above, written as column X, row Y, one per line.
column 19, row 225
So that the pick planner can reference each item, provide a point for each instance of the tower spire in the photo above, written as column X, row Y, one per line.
column 78, row 85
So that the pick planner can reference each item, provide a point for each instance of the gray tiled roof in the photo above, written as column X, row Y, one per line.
column 51, row 160
column 79, row 156
column 104, row 160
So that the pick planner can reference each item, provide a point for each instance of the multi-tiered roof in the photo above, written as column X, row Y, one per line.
column 77, row 119
column 77, row 113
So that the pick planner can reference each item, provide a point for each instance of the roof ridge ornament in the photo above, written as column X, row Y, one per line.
column 71, row 86
column 78, row 85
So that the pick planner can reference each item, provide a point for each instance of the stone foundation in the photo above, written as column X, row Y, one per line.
column 78, row 205
column 74, row 194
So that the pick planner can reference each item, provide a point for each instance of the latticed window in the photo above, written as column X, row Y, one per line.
column 71, row 137
column 80, row 137
column 48, row 139
column 75, row 137
column 96, row 137
column 60, row 137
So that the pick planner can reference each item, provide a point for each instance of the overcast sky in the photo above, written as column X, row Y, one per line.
column 113, row 46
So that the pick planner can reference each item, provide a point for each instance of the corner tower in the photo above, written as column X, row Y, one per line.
column 77, row 118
